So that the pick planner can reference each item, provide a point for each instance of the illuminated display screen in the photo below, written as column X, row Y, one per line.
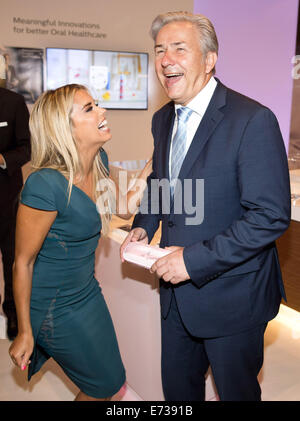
column 118, row 80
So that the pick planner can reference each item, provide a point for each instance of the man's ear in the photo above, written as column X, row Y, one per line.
column 210, row 61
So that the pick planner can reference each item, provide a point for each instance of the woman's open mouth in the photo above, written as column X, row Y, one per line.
column 103, row 125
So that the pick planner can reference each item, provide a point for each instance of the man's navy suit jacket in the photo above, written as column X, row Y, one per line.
column 231, row 257
column 14, row 146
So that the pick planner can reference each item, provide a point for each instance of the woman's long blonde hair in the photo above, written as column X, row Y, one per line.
column 53, row 145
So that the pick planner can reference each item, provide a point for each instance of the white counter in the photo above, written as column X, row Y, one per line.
column 132, row 295
column 295, row 192
column 295, row 213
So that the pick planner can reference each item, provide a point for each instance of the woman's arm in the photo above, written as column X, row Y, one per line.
column 127, row 203
column 31, row 230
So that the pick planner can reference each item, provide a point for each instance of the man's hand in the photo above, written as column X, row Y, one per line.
column 171, row 268
column 137, row 234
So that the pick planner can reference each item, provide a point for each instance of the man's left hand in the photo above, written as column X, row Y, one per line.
column 171, row 268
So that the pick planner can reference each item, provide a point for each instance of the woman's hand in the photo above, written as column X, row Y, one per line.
column 21, row 350
column 147, row 170
column 128, row 204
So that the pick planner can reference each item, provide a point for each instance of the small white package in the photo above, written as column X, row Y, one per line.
column 143, row 254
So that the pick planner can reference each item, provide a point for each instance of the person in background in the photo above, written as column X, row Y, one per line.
column 60, row 307
column 14, row 153
column 225, row 158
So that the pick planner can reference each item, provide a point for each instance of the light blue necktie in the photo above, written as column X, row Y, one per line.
column 179, row 144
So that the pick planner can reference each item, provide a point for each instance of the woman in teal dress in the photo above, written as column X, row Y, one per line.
column 60, row 307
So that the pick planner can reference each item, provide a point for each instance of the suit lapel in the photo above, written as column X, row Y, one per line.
column 209, row 122
column 165, row 140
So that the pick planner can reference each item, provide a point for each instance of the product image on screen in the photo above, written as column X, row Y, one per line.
column 115, row 79
column 24, row 71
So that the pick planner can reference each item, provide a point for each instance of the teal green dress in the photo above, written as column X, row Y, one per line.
column 70, row 319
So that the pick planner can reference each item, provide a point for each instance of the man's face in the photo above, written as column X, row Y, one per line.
column 180, row 66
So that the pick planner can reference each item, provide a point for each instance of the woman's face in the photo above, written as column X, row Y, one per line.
column 89, row 126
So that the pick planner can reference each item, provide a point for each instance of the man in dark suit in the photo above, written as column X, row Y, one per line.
column 221, row 283
column 14, row 152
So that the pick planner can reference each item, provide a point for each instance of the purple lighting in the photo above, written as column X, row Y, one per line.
column 257, row 42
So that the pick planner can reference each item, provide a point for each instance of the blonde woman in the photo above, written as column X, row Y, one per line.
column 60, row 308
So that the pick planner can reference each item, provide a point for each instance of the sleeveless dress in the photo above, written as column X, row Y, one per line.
column 70, row 320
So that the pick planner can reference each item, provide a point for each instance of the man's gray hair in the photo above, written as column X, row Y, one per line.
column 207, row 35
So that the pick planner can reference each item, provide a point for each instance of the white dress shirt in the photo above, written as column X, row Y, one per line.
column 199, row 105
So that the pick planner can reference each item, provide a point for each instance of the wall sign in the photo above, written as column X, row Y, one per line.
column 56, row 27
